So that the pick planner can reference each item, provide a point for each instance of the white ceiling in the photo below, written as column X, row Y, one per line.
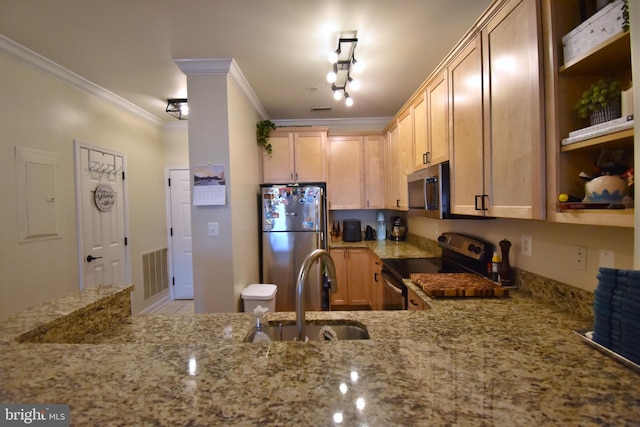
column 129, row 46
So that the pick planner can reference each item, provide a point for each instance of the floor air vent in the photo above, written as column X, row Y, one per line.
column 154, row 272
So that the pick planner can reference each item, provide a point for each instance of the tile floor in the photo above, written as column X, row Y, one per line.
column 179, row 306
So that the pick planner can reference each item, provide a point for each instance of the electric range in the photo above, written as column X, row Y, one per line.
column 461, row 253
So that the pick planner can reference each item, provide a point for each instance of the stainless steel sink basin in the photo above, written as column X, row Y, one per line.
column 325, row 331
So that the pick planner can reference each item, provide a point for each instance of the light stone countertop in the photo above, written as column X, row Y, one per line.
column 498, row 361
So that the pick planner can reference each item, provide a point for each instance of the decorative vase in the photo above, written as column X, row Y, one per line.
column 504, row 270
column 610, row 112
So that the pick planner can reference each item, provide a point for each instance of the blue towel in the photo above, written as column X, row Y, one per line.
column 608, row 271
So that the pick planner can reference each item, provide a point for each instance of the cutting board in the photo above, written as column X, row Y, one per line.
column 439, row 285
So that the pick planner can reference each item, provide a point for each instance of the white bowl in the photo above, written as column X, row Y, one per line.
column 606, row 188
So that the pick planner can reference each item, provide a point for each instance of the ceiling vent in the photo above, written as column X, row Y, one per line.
column 320, row 108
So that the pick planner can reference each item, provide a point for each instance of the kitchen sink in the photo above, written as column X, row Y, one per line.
column 326, row 331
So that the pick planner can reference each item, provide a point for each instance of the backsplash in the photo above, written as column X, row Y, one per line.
column 567, row 297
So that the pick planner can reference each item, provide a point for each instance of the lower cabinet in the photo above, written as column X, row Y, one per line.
column 414, row 302
column 353, row 271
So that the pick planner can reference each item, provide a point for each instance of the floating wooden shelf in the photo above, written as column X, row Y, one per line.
column 622, row 137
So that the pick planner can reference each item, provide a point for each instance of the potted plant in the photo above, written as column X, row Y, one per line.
column 601, row 102
column 263, row 131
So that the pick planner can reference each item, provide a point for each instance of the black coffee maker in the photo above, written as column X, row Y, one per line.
column 398, row 229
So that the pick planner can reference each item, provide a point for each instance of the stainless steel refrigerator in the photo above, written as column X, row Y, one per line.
column 293, row 224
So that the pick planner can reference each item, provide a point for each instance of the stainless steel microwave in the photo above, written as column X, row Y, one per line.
column 429, row 191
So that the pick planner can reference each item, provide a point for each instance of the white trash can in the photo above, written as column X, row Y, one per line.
column 259, row 294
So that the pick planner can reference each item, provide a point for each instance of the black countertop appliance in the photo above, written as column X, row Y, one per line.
column 351, row 230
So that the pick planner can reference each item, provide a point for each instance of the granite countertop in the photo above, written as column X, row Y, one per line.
column 391, row 249
column 497, row 361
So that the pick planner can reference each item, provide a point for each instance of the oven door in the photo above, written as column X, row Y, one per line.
column 394, row 292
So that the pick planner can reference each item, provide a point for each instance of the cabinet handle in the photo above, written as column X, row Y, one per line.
column 483, row 206
column 426, row 157
column 291, row 175
column 375, row 277
column 412, row 302
column 296, row 176
column 397, row 203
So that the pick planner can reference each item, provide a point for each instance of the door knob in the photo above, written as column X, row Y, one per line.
column 91, row 258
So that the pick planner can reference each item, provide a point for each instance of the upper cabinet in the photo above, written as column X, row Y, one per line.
column 374, row 171
column 497, row 144
column 356, row 171
column 437, row 119
column 400, row 155
column 430, row 123
column 345, row 187
column 467, row 166
column 567, row 78
column 298, row 156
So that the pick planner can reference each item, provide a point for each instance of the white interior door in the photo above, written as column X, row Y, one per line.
column 102, row 217
column 181, row 255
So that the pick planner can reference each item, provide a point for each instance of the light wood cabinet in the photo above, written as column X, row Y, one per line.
column 356, row 172
column 511, row 165
column 420, row 143
column 400, row 154
column 353, row 271
column 297, row 156
column 467, row 175
column 377, row 290
column 346, row 184
column 431, row 123
column 565, row 83
column 414, row 302
column 374, row 172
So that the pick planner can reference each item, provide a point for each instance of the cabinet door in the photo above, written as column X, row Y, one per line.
column 513, row 153
column 405, row 159
column 420, row 144
column 414, row 302
column 438, row 119
column 339, row 257
column 377, row 285
column 346, row 182
column 465, row 76
column 278, row 167
column 359, row 276
column 374, row 170
column 310, row 156
column 392, row 184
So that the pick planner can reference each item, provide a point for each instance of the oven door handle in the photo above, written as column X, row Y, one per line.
column 389, row 284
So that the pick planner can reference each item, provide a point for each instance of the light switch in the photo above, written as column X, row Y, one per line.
column 213, row 229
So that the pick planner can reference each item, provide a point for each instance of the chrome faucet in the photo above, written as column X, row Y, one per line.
column 302, row 277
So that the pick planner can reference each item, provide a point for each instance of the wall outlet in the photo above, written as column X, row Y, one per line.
column 213, row 229
column 580, row 258
column 607, row 258
column 526, row 248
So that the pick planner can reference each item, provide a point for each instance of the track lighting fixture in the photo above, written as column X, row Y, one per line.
column 178, row 108
column 344, row 62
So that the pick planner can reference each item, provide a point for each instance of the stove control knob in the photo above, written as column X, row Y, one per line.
column 441, row 238
column 471, row 247
column 478, row 249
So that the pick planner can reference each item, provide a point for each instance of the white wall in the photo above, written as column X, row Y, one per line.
column 244, row 160
column 222, row 131
column 42, row 113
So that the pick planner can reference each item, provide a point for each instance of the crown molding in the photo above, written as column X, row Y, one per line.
column 44, row 65
column 373, row 124
column 222, row 66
